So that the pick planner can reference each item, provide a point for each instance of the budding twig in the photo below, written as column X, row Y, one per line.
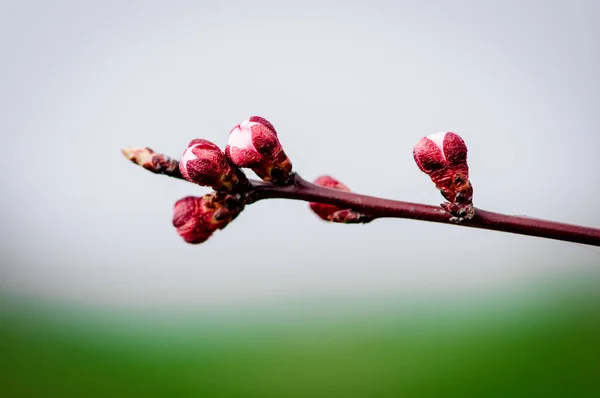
column 387, row 208
column 299, row 189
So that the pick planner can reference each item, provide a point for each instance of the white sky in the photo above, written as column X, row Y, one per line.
column 350, row 87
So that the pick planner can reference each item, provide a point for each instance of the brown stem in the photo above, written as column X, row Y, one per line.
column 379, row 208
column 300, row 189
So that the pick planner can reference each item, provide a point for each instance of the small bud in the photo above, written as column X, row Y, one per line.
column 196, row 219
column 205, row 164
column 443, row 157
column 148, row 159
column 254, row 144
column 333, row 213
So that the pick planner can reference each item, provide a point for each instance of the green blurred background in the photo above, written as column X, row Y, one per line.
column 533, row 340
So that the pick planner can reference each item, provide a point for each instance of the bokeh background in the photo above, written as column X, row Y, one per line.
column 99, row 296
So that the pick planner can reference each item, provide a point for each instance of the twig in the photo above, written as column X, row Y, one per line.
column 300, row 189
column 380, row 208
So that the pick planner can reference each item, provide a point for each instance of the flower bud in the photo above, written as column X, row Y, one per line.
column 150, row 160
column 333, row 213
column 205, row 164
column 443, row 157
column 254, row 144
column 196, row 219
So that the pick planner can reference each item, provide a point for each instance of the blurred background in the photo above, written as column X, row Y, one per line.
column 100, row 297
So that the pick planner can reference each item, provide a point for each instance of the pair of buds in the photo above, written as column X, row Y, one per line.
column 252, row 144
column 443, row 157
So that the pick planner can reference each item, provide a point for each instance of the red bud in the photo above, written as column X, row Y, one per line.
column 254, row 144
column 196, row 219
column 333, row 213
column 443, row 157
column 205, row 164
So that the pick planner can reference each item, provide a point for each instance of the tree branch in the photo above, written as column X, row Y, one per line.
column 300, row 189
column 380, row 208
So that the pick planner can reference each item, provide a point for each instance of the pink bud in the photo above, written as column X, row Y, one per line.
column 196, row 219
column 333, row 213
column 443, row 157
column 254, row 144
column 205, row 164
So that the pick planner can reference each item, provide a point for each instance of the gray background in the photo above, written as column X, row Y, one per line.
column 350, row 86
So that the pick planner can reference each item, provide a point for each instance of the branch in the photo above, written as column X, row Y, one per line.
column 299, row 189
column 387, row 208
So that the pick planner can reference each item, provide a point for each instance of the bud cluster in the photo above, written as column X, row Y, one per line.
column 252, row 144
column 443, row 157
